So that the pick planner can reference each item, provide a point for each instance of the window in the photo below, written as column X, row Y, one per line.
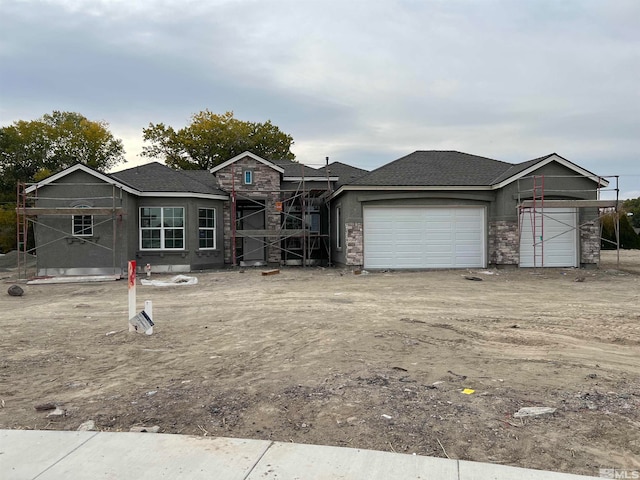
column 206, row 228
column 82, row 225
column 162, row 228
column 339, row 228
column 247, row 177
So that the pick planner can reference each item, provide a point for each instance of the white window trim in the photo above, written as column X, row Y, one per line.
column 244, row 177
column 214, row 228
column 162, row 229
column 73, row 224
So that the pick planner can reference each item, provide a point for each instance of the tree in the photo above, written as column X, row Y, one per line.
column 32, row 150
column 211, row 139
column 629, row 239
column 633, row 206
column 52, row 143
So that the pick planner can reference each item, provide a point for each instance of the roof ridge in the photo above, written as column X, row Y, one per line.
column 521, row 165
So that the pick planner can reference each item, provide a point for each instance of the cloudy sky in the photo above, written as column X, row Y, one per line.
column 360, row 81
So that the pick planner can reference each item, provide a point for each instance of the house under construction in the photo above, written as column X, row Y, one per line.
column 429, row 209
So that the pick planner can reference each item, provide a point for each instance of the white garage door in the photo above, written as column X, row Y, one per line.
column 424, row 237
column 559, row 247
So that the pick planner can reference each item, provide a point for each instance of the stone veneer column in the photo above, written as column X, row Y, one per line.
column 590, row 243
column 226, row 216
column 355, row 243
column 266, row 187
column 504, row 243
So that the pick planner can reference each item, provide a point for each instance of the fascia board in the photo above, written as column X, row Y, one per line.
column 83, row 168
column 310, row 179
column 546, row 161
column 414, row 188
column 182, row 195
column 250, row 155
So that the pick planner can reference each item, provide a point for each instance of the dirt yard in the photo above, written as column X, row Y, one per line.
column 376, row 361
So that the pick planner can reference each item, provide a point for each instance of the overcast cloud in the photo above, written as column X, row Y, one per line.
column 362, row 82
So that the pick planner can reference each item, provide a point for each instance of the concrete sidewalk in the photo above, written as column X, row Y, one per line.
column 54, row 455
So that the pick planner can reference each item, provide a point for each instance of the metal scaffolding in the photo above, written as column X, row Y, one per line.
column 299, row 235
column 27, row 218
column 532, row 204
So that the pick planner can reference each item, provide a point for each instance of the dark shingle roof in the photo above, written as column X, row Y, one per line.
column 295, row 169
column 436, row 168
column 345, row 173
column 519, row 167
column 155, row 177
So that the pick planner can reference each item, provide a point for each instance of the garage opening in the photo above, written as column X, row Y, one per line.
column 424, row 237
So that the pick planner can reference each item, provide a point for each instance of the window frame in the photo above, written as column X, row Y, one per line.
column 207, row 229
column 244, row 177
column 83, row 227
column 162, row 228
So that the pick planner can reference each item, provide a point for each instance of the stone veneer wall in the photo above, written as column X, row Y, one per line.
column 590, row 243
column 266, row 186
column 504, row 243
column 355, row 243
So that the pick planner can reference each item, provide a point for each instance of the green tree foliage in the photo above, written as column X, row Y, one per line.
column 32, row 150
column 52, row 143
column 633, row 206
column 7, row 228
column 629, row 239
column 211, row 139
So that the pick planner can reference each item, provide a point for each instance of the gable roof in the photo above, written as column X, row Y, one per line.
column 156, row 177
column 255, row 157
column 149, row 180
column 523, row 169
column 79, row 167
column 436, row 168
column 442, row 170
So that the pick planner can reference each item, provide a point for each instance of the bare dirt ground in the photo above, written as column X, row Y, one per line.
column 324, row 356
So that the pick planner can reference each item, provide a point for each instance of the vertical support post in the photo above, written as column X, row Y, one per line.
column 303, row 215
column 232, row 216
column 113, row 230
column 148, row 309
column 617, row 225
column 132, row 293
column 327, row 205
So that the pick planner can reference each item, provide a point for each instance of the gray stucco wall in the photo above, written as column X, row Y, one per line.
column 192, row 257
column 59, row 252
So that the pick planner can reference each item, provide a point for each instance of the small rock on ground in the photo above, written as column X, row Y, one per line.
column 57, row 413
column 87, row 426
column 15, row 291
column 533, row 411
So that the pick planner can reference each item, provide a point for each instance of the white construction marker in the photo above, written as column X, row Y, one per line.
column 132, row 293
column 148, row 309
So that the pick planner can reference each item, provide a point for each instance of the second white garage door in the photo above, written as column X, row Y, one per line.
column 424, row 237
column 558, row 229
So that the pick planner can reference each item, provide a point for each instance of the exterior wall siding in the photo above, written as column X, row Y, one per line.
column 59, row 252
column 62, row 253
